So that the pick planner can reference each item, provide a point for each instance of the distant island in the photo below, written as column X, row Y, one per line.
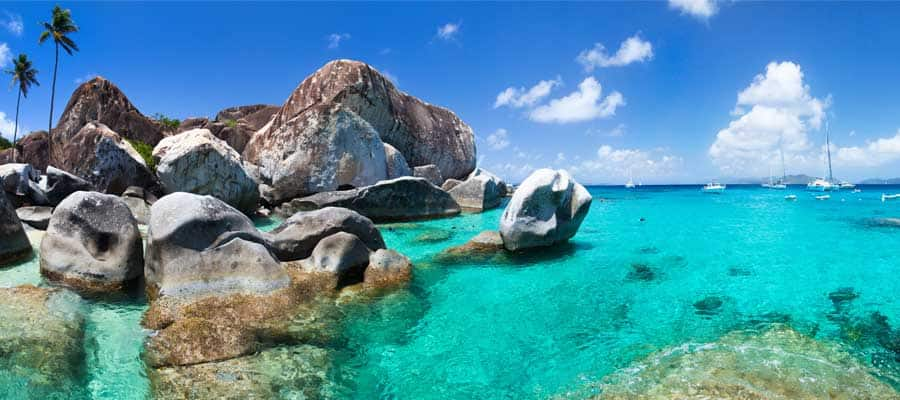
column 880, row 181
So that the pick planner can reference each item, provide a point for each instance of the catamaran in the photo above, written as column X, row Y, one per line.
column 713, row 187
column 886, row 197
column 820, row 184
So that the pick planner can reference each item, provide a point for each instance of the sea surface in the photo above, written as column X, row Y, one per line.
column 650, row 268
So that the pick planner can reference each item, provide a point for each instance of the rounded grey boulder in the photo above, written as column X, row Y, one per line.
column 296, row 237
column 342, row 255
column 547, row 208
column 92, row 243
column 14, row 243
column 477, row 193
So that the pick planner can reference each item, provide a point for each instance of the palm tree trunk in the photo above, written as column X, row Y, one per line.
column 52, row 98
column 16, row 126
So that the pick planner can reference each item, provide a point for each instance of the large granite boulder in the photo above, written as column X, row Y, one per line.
column 59, row 184
column 20, row 182
column 477, row 193
column 101, row 157
column 399, row 199
column 92, row 243
column 32, row 149
column 342, row 256
column 197, row 162
column 100, row 101
column 387, row 268
column 547, row 208
column 255, row 116
column 199, row 245
column 396, row 163
column 324, row 148
column 14, row 244
column 296, row 237
column 235, row 125
column 423, row 133
column 37, row 217
column 502, row 186
column 430, row 172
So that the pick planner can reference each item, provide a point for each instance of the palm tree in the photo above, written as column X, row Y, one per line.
column 25, row 76
column 60, row 25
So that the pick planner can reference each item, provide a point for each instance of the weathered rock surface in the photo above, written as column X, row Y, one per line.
column 99, row 101
column 60, row 184
column 778, row 364
column 101, row 157
column 20, row 184
column 235, row 125
column 296, row 237
column 396, row 163
column 429, row 172
column 423, row 133
column 92, row 243
column 197, row 162
column 450, row 184
column 547, row 208
column 477, row 193
column 255, row 116
column 505, row 189
column 323, row 148
column 42, row 342
column 387, row 268
column 399, row 199
column 14, row 244
column 139, row 209
column 199, row 245
column 37, row 217
column 32, row 149
column 484, row 246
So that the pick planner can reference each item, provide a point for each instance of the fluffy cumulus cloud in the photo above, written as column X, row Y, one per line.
column 775, row 113
column 13, row 23
column 5, row 55
column 874, row 153
column 700, row 9
column 632, row 50
column 335, row 39
column 613, row 165
column 448, row 31
column 6, row 126
column 498, row 140
column 521, row 97
column 585, row 104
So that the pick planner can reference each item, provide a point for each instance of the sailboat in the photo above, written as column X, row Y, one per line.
column 820, row 184
column 780, row 184
column 713, row 187
column 630, row 184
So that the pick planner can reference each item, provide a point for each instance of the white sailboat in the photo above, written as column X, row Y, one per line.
column 780, row 184
column 821, row 184
column 886, row 197
column 630, row 184
column 714, row 188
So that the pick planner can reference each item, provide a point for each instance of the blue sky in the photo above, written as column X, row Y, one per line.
column 683, row 91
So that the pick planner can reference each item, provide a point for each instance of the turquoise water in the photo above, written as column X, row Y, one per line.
column 557, row 321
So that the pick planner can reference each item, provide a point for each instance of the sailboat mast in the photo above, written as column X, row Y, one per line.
column 828, row 152
column 783, row 174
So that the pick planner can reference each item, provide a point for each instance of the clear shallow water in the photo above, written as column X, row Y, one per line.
column 562, row 320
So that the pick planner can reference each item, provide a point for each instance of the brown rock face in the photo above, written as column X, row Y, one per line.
column 32, row 149
column 235, row 125
column 423, row 133
column 99, row 100
column 256, row 116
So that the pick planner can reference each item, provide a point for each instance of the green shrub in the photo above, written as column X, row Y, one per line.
column 170, row 123
column 146, row 152
column 231, row 123
column 4, row 144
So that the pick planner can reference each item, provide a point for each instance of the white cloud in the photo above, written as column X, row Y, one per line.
column 5, row 55
column 700, row 9
column 498, row 140
column 6, row 126
column 385, row 51
column 781, row 115
column 618, row 131
column 512, row 172
column 874, row 153
column 582, row 105
column 521, row 97
column 13, row 23
column 633, row 49
column 612, row 165
column 448, row 31
column 335, row 39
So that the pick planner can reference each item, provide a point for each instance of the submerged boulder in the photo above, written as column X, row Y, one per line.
column 99, row 155
column 92, row 243
column 296, row 237
column 547, row 208
column 477, row 193
column 399, row 199
column 14, row 244
column 353, row 92
column 197, row 162
column 483, row 247
column 387, row 268
column 199, row 245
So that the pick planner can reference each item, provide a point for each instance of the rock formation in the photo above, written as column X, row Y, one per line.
column 197, row 162
column 235, row 125
column 37, row 217
column 92, row 243
column 14, row 244
column 477, row 193
column 547, row 208
column 296, row 237
column 32, row 149
column 60, row 184
column 430, row 172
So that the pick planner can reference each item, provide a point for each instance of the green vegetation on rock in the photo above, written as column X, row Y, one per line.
column 146, row 152
column 171, row 123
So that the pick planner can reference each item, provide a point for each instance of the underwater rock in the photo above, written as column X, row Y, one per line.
column 477, row 193
column 92, row 243
column 199, row 245
column 291, row 372
column 641, row 272
column 778, row 364
column 37, row 217
column 14, row 244
column 296, row 237
column 387, row 268
column 709, row 305
column 648, row 250
column 434, row 236
column 735, row 270
column 842, row 296
column 198, row 162
column 547, row 208
column 484, row 246
column 41, row 342
column 400, row 199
